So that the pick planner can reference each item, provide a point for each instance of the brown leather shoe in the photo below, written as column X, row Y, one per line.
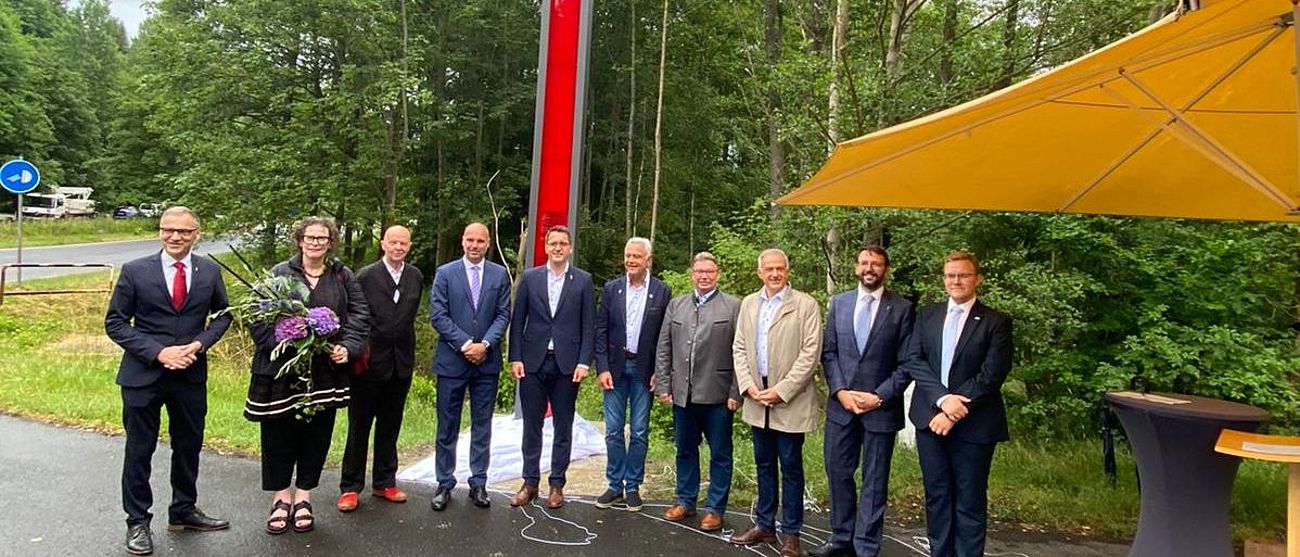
column 555, row 499
column 790, row 546
column 525, row 496
column 676, row 513
column 711, row 522
column 754, row 535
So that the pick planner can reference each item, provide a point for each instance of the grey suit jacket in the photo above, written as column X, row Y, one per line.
column 694, row 357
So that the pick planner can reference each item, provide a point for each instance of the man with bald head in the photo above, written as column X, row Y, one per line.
column 382, row 379
column 470, row 308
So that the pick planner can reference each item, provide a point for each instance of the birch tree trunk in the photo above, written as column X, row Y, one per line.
column 659, row 125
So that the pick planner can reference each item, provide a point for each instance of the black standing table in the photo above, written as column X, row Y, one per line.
column 1186, row 486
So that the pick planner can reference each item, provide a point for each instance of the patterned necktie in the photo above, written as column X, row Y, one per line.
column 475, row 284
column 949, row 342
column 862, row 325
column 178, row 286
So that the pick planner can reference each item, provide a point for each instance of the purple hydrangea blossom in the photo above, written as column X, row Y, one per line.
column 290, row 328
column 322, row 320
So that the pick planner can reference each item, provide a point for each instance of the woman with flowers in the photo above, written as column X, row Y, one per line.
column 309, row 320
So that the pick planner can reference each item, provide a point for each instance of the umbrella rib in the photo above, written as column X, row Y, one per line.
column 1213, row 150
column 1087, row 188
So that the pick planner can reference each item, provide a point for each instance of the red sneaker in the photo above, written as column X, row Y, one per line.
column 390, row 493
column 348, row 502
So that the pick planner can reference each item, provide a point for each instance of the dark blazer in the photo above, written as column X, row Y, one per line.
column 453, row 315
column 878, row 369
column 980, row 365
column 141, row 320
column 392, row 325
column 572, row 328
column 611, row 328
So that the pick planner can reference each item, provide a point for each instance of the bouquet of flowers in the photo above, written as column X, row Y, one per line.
column 280, row 302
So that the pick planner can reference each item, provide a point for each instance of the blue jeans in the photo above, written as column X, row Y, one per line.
column 770, row 447
column 628, row 404
column 713, row 421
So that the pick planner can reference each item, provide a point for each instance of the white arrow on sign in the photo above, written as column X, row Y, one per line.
column 23, row 177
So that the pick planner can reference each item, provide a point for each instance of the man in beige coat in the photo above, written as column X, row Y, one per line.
column 778, row 340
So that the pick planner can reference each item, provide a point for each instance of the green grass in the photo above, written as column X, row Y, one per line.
column 76, row 231
column 57, row 365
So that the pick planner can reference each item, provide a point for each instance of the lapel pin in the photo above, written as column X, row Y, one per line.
column 977, row 318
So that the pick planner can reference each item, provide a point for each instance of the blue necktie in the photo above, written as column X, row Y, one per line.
column 949, row 342
column 862, row 324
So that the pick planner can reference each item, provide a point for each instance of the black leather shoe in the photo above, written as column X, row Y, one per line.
column 479, row 496
column 139, row 541
column 440, row 499
column 197, row 521
column 831, row 550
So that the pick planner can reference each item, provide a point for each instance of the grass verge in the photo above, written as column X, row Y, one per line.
column 38, row 233
column 57, row 365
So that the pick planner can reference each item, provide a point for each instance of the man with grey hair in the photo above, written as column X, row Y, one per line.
column 694, row 373
column 159, row 315
column 778, row 341
column 627, row 329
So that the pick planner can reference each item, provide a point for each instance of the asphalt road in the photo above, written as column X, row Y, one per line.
column 114, row 253
column 61, row 496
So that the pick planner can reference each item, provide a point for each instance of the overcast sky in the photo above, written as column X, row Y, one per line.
column 130, row 12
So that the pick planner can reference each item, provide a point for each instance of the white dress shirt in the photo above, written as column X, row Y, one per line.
column 766, row 315
column 634, row 311
column 965, row 316
column 396, row 273
column 169, row 271
column 554, row 288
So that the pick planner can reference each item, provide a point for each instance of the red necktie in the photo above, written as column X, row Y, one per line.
column 178, row 286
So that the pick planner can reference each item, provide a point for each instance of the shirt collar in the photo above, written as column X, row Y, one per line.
column 966, row 307
column 391, row 269
column 644, row 283
column 877, row 293
column 762, row 294
column 167, row 260
column 469, row 263
column 552, row 274
column 701, row 298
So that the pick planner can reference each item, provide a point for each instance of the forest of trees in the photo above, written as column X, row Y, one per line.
column 257, row 112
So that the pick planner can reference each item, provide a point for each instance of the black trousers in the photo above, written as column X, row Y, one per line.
column 956, row 478
column 292, row 444
column 187, row 406
column 536, row 390
column 378, row 403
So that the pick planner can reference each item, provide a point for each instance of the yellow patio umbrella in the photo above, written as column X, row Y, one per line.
column 1194, row 116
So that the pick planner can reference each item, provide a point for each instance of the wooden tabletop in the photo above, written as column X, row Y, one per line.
column 1275, row 448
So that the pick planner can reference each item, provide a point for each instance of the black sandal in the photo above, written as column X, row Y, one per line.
column 282, row 521
column 307, row 518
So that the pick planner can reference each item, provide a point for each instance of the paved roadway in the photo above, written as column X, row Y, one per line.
column 114, row 253
column 62, row 497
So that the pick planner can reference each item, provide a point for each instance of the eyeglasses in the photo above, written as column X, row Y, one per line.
column 316, row 239
column 958, row 276
column 182, row 232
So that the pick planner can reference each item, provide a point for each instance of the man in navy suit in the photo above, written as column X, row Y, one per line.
column 865, row 341
column 551, row 342
column 627, row 331
column 469, row 306
column 159, row 315
column 959, row 357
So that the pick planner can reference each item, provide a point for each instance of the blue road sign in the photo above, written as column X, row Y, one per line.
column 19, row 176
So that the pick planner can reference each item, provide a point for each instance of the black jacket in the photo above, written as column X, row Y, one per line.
column 392, row 325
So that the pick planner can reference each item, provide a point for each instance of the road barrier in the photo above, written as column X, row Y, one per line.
column 4, row 278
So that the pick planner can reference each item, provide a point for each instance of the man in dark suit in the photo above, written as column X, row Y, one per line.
column 159, row 315
column 865, row 341
column 551, row 342
column 469, row 306
column 627, row 329
column 959, row 357
column 381, row 382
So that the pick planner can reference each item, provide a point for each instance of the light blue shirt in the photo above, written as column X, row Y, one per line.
column 634, row 311
column 169, row 271
column 863, row 293
column 766, row 315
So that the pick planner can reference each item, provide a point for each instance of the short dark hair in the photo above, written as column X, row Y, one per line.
column 299, row 230
column 959, row 255
column 560, row 228
column 877, row 250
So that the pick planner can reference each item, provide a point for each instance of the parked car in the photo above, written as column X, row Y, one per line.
column 126, row 212
column 151, row 209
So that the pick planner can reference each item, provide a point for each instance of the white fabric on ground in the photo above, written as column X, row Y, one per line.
column 506, row 462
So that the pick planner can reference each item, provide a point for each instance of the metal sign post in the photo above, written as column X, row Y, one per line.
column 19, row 176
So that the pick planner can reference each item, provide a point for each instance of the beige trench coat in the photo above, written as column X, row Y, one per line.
column 794, row 344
